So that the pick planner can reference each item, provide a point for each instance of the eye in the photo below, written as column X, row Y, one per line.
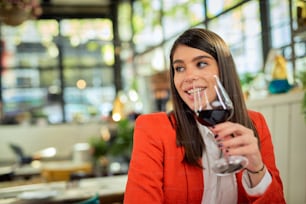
column 201, row 64
column 179, row 69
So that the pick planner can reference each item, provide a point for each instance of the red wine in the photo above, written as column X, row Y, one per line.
column 213, row 117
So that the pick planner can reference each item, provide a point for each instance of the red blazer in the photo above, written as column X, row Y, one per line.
column 158, row 175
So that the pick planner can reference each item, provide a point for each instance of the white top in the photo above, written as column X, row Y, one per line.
column 223, row 189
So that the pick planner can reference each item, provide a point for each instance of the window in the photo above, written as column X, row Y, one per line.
column 240, row 28
column 147, row 23
column 61, row 71
column 187, row 13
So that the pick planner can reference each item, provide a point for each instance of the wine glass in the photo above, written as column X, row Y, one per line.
column 212, row 105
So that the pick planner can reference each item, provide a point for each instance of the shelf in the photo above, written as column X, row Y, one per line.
column 277, row 99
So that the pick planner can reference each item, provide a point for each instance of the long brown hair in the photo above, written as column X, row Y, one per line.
column 187, row 133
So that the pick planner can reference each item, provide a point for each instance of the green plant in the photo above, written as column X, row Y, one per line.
column 99, row 147
column 38, row 113
column 122, row 143
column 119, row 144
column 302, row 77
column 247, row 78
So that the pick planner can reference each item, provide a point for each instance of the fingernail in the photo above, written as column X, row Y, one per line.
column 220, row 145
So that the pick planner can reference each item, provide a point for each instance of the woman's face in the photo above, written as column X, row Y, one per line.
column 193, row 66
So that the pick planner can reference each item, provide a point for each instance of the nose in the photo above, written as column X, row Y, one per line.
column 190, row 76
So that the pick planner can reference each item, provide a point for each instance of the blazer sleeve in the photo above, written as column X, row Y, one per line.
column 145, row 173
column 274, row 193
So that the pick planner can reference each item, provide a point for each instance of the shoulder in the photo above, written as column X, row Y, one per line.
column 256, row 117
column 155, row 115
column 259, row 120
column 156, row 119
column 154, row 127
column 152, row 117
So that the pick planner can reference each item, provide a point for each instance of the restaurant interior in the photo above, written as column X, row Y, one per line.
column 76, row 74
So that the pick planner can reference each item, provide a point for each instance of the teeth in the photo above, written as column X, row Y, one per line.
column 191, row 91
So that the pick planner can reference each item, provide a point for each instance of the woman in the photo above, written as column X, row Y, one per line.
column 171, row 152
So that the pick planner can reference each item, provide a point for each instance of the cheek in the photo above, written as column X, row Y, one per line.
column 176, row 82
column 211, row 94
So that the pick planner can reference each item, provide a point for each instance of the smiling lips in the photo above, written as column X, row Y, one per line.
column 194, row 90
column 190, row 92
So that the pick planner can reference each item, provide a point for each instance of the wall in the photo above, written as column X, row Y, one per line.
column 283, row 114
column 35, row 138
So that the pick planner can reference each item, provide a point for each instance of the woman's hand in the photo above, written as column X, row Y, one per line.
column 235, row 139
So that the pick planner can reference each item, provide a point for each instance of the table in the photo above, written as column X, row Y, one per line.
column 110, row 189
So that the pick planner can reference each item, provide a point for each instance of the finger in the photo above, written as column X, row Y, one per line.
column 223, row 138
column 238, row 141
column 242, row 145
column 241, row 150
column 251, row 152
column 230, row 129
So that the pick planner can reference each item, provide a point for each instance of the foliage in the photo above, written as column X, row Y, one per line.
column 122, row 143
column 246, row 79
column 38, row 113
column 99, row 146
column 302, row 77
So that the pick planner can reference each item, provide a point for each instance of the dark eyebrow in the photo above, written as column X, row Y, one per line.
column 177, row 61
column 202, row 57
column 194, row 59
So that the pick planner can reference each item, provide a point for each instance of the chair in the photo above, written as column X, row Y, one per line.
column 21, row 156
column 93, row 200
